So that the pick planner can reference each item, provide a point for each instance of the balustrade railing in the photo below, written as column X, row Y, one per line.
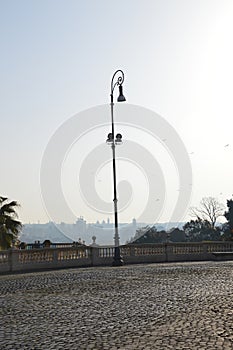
column 81, row 255
column 37, row 256
column 4, row 257
column 149, row 249
column 72, row 254
column 106, row 252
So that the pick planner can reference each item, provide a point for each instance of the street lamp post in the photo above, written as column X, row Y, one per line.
column 113, row 141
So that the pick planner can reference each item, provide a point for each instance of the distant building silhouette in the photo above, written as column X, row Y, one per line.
column 81, row 229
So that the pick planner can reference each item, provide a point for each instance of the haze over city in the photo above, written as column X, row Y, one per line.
column 57, row 60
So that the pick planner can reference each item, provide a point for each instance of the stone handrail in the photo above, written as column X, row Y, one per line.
column 14, row 260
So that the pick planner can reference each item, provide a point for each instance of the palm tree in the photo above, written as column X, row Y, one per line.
column 9, row 226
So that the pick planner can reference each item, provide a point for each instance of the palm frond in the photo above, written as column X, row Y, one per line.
column 9, row 227
column 3, row 199
column 9, row 208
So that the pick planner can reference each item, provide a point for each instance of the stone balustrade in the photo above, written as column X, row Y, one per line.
column 14, row 260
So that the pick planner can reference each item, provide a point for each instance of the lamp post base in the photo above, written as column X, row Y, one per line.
column 117, row 260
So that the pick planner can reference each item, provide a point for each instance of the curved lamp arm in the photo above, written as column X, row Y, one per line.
column 119, row 81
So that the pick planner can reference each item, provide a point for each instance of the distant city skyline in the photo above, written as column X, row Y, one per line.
column 83, row 231
column 80, row 230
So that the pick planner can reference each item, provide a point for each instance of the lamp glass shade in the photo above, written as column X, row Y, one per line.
column 118, row 140
column 109, row 139
column 121, row 97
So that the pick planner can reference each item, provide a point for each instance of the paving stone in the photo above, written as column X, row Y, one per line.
column 159, row 306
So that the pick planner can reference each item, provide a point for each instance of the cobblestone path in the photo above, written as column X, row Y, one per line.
column 159, row 306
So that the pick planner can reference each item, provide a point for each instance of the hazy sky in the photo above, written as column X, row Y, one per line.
column 57, row 59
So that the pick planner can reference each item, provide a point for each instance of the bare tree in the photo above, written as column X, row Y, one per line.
column 210, row 209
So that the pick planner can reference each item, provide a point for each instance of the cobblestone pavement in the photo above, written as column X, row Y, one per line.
column 159, row 306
